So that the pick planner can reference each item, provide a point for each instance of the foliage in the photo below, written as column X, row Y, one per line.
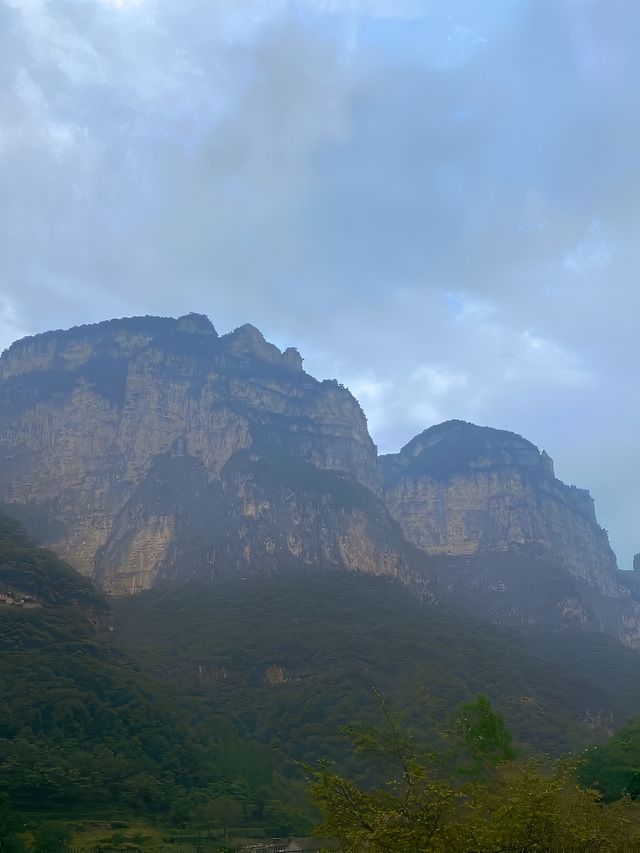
column 485, row 733
column 452, row 447
column 10, row 826
column 333, row 634
column 591, row 656
column 82, row 729
column 512, row 805
column 171, row 715
column 39, row 575
column 52, row 836
column 614, row 767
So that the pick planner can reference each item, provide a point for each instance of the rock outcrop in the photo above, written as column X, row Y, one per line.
column 459, row 489
column 151, row 449
column 521, row 546
column 147, row 451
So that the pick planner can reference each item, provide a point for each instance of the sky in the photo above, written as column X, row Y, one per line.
column 436, row 201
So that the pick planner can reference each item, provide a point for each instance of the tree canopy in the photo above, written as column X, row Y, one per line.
column 491, row 800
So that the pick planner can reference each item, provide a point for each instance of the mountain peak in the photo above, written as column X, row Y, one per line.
column 457, row 446
column 151, row 447
column 198, row 324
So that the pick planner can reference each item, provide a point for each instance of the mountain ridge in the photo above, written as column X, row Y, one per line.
column 153, row 450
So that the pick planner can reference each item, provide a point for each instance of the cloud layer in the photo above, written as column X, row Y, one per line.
column 436, row 202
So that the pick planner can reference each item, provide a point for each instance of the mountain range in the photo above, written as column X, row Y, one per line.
column 151, row 451
column 229, row 567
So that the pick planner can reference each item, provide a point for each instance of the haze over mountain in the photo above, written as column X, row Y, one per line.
column 149, row 451
column 437, row 202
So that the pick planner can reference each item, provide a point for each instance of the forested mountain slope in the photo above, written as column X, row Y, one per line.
column 82, row 728
column 292, row 657
column 213, row 692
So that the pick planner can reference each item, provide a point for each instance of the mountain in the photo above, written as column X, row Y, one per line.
column 292, row 657
column 151, row 450
column 163, row 703
column 83, row 730
column 35, row 580
column 516, row 544
column 459, row 489
column 157, row 456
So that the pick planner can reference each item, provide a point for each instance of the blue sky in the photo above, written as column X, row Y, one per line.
column 435, row 201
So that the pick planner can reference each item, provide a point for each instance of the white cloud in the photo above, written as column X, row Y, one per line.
column 123, row 4
column 12, row 326
column 592, row 252
column 438, row 380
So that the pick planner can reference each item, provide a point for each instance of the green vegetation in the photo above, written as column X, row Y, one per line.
column 280, row 469
column 84, row 732
column 190, row 718
column 478, row 797
column 614, row 767
column 593, row 657
column 456, row 446
column 41, row 576
column 327, row 638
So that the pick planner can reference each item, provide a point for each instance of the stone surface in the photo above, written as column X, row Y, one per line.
column 151, row 449
column 464, row 491
column 458, row 489
column 147, row 451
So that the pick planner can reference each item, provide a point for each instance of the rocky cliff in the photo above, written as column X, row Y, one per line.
column 458, row 489
column 149, row 449
column 521, row 546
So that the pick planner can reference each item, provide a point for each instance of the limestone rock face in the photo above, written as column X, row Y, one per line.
column 458, row 489
column 147, row 451
column 469, row 492
column 122, row 441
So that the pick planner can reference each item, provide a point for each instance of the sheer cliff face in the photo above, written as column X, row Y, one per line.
column 469, row 492
column 459, row 489
column 122, row 440
column 147, row 451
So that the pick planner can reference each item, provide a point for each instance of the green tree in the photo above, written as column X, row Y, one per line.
column 484, row 733
column 10, row 826
column 52, row 836
column 285, row 819
column 507, row 805
column 221, row 812
column 614, row 768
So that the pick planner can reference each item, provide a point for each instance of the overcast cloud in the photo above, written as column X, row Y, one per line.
column 436, row 201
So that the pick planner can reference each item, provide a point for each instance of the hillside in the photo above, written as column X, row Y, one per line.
column 292, row 657
column 204, row 698
column 83, row 730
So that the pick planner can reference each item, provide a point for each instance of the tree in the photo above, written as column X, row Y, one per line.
column 223, row 812
column 614, row 768
column 504, row 804
column 10, row 826
column 52, row 836
column 484, row 733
